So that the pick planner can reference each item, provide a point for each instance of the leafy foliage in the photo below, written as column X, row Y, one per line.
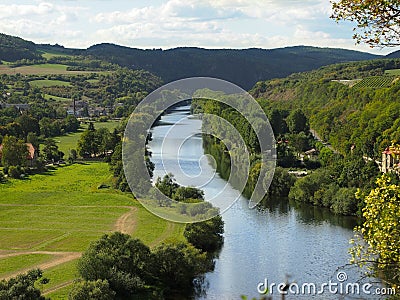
column 207, row 235
column 380, row 231
column 122, row 266
column 22, row 287
column 120, row 260
column 377, row 21
column 14, row 152
column 91, row 290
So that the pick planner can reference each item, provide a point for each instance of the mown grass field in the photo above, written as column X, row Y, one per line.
column 47, row 83
column 48, row 55
column 47, row 220
column 394, row 72
column 43, row 69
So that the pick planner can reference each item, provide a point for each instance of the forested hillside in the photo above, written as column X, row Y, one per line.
column 243, row 67
column 347, row 104
column 14, row 48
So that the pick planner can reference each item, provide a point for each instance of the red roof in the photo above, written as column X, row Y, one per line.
column 387, row 151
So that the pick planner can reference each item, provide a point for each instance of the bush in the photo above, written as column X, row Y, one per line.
column 94, row 290
column 207, row 235
column 14, row 172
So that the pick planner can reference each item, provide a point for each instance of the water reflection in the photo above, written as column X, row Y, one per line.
column 277, row 240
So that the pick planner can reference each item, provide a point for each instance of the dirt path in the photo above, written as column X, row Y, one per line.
column 57, row 287
column 59, row 258
column 127, row 222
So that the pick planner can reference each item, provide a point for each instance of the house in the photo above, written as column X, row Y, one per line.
column 31, row 157
column 311, row 153
column 390, row 162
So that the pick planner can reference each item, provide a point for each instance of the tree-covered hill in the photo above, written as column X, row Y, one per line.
column 342, row 111
column 15, row 48
column 243, row 67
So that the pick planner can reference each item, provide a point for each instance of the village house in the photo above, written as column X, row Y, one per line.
column 390, row 162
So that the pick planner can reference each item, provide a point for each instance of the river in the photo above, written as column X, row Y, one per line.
column 277, row 243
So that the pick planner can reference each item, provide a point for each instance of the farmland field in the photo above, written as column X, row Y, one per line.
column 44, row 69
column 375, row 82
column 395, row 72
column 47, row 220
column 47, row 83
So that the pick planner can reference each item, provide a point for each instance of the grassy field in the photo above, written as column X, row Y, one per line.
column 47, row 220
column 47, row 83
column 394, row 72
column 43, row 69
column 69, row 141
column 48, row 55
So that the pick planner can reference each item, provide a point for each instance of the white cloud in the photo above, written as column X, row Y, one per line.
column 172, row 23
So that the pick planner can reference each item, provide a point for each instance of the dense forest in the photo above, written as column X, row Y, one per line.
column 344, row 103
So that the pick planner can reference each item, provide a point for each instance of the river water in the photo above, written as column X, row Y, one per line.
column 278, row 243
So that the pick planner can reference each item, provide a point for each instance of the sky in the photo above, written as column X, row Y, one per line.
column 177, row 23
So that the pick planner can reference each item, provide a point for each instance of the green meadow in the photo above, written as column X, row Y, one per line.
column 48, row 83
column 47, row 220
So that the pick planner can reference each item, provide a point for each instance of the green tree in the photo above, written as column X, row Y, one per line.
column 33, row 139
column 14, row 152
column 121, row 260
column 297, row 121
column 179, row 264
column 51, row 152
column 381, row 232
column 91, row 290
column 28, row 124
column 377, row 21
column 206, row 235
column 87, row 144
column 167, row 185
column 22, row 287
column 183, row 193
column 277, row 121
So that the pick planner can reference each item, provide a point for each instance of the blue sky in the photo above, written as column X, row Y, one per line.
column 174, row 23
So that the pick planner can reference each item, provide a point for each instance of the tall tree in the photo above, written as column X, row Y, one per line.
column 297, row 121
column 51, row 151
column 377, row 21
column 14, row 152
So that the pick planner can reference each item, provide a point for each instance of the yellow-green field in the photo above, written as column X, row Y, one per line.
column 43, row 69
column 47, row 83
column 48, row 220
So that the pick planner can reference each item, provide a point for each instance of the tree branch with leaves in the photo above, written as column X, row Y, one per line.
column 377, row 21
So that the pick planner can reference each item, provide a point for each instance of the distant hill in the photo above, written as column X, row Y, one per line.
column 243, row 67
column 395, row 54
column 15, row 48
